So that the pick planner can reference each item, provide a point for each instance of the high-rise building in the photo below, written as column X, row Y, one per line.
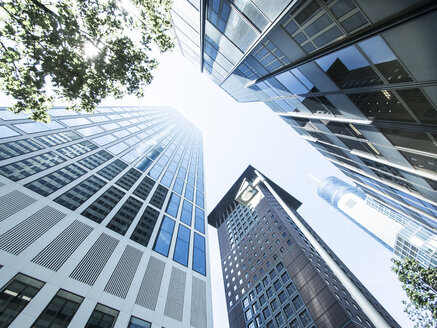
column 102, row 220
column 395, row 232
column 276, row 269
column 355, row 78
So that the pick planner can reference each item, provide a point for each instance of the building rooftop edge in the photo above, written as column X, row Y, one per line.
column 229, row 197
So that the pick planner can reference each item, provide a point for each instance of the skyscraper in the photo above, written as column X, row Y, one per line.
column 395, row 232
column 276, row 269
column 102, row 220
column 342, row 73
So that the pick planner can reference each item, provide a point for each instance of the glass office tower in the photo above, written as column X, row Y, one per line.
column 400, row 235
column 276, row 269
column 102, row 220
column 355, row 78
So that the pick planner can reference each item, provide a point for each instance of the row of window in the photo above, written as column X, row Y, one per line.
column 182, row 246
column 59, row 312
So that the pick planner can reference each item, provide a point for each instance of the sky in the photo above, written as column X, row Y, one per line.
column 238, row 134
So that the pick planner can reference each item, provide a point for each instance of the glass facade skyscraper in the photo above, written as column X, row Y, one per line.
column 342, row 73
column 276, row 269
column 103, row 220
column 400, row 235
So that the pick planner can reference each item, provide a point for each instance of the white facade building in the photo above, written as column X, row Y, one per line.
column 102, row 221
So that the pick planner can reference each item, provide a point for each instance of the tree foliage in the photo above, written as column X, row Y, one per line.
column 78, row 51
column 420, row 284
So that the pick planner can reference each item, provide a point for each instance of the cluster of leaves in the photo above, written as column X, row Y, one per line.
column 420, row 284
column 44, row 45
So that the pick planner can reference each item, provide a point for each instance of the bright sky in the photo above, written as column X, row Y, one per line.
column 236, row 135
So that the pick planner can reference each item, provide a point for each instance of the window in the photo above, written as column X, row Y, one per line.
column 297, row 302
column 305, row 317
column 122, row 220
column 158, row 197
column 288, row 310
column 248, row 314
column 182, row 245
column 77, row 149
column 112, row 170
column 15, row 296
column 277, row 284
column 18, row 147
column 102, row 317
column 189, row 192
column 29, row 166
column 145, row 226
column 173, row 205
column 178, row 185
column 101, row 207
column 266, row 312
column 279, row 319
column 144, row 188
column 246, row 302
column 59, row 312
column 199, row 223
column 48, row 184
column 163, row 240
column 199, row 263
column 96, row 159
column 187, row 210
column 79, row 194
column 58, row 138
column 167, row 179
column 285, row 277
column 128, row 179
column 274, row 305
column 283, row 297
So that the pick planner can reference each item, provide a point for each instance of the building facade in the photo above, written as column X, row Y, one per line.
column 103, row 220
column 342, row 73
column 400, row 235
column 276, row 269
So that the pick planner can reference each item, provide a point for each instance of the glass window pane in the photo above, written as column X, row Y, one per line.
column 163, row 240
column 59, row 311
column 15, row 296
column 138, row 323
column 173, row 205
column 199, row 223
column 182, row 245
column 199, row 262
column 187, row 210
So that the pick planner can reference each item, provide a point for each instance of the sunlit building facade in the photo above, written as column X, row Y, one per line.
column 400, row 235
column 277, row 271
column 355, row 78
column 102, row 220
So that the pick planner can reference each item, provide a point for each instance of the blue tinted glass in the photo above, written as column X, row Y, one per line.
column 191, row 178
column 173, row 166
column 166, row 179
column 178, row 185
column 155, row 172
column 199, row 223
column 138, row 323
column 350, row 57
column 182, row 172
column 189, row 192
column 377, row 50
column 199, row 263
column 187, row 209
column 182, row 245
column 162, row 244
column 291, row 83
column 144, row 164
column 199, row 198
column 173, row 205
